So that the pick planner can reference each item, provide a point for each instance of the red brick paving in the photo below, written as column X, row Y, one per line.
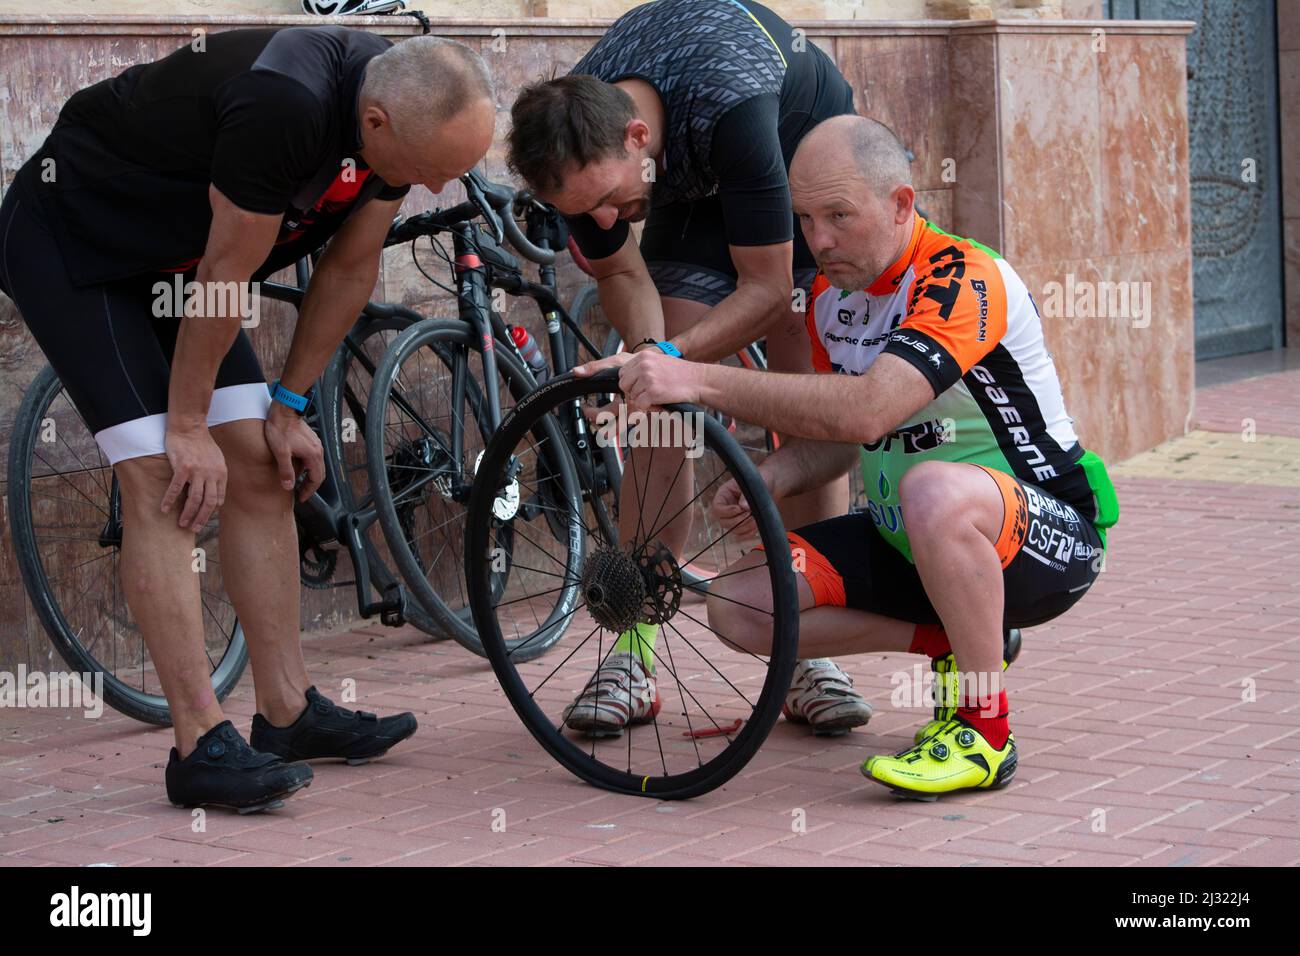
column 1137, row 747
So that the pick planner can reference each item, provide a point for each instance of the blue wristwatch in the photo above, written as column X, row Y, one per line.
column 668, row 349
column 299, row 403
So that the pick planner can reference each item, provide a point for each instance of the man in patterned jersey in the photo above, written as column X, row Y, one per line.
column 985, row 514
column 685, row 115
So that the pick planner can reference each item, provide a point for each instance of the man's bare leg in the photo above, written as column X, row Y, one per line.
column 259, row 564
column 740, row 609
column 162, row 591
column 954, row 517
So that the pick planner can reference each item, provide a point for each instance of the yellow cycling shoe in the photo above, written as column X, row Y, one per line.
column 946, row 683
column 955, row 758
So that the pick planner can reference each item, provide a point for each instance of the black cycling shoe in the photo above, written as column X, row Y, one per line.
column 325, row 729
column 224, row 771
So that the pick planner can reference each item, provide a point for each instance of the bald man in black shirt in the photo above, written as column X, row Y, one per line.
column 221, row 163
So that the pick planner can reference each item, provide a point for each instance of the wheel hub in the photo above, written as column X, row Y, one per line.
column 623, row 589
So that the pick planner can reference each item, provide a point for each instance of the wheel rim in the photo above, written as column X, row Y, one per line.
column 717, row 700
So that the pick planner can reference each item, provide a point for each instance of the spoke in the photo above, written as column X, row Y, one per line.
column 686, row 710
column 84, row 595
column 573, row 581
column 530, row 597
column 640, row 508
column 724, row 534
column 69, row 483
column 697, row 497
column 90, row 649
column 664, row 501
column 82, row 564
column 211, row 666
column 701, row 656
column 518, row 529
column 723, row 597
column 71, row 501
column 681, row 684
column 705, row 582
column 93, row 477
column 533, row 693
column 733, row 646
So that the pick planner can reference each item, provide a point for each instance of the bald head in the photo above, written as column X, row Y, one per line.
column 851, row 185
column 422, row 82
column 869, row 148
column 426, row 112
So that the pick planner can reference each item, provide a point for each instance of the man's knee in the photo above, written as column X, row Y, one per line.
column 251, row 469
column 939, row 497
column 143, row 482
column 740, row 606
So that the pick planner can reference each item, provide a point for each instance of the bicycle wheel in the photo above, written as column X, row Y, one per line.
column 344, row 395
column 716, row 703
column 756, row 442
column 426, row 431
column 66, row 518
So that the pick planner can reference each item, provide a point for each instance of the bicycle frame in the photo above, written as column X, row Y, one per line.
column 473, row 279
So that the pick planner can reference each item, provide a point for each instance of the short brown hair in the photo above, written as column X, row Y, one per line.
column 567, row 120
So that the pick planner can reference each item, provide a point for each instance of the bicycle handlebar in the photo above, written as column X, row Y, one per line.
column 494, row 202
column 503, row 199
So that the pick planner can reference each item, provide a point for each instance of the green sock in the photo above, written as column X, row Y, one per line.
column 639, row 639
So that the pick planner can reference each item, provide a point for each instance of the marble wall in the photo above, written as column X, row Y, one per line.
column 1064, row 148
column 791, row 9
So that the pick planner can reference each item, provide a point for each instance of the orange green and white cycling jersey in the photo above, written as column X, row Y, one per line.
column 961, row 316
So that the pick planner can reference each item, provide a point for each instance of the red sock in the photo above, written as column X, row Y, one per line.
column 977, row 713
column 930, row 640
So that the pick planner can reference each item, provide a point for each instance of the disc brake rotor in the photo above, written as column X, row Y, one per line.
column 506, row 504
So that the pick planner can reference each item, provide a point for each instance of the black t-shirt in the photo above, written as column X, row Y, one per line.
column 740, row 89
column 267, row 116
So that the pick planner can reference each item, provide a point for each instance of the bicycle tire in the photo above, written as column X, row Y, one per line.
column 442, row 336
column 524, row 418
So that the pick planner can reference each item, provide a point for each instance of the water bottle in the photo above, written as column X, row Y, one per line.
column 532, row 354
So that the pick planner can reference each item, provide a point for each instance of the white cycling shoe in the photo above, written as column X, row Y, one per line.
column 621, row 693
column 822, row 696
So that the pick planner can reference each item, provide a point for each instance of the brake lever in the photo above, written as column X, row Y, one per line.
column 476, row 196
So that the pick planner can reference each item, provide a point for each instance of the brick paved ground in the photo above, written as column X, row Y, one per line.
column 1159, row 724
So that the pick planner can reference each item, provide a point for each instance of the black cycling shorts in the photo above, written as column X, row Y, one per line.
column 1050, row 556
column 111, row 353
column 684, row 246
